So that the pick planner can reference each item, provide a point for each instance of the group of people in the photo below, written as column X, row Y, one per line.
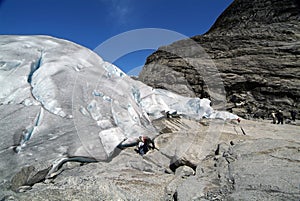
column 279, row 116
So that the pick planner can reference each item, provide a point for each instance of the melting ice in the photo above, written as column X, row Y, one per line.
column 74, row 86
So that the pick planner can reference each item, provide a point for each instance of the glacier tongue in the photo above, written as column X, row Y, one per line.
column 156, row 101
column 90, row 106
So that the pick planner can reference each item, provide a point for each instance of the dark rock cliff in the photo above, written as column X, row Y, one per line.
column 255, row 45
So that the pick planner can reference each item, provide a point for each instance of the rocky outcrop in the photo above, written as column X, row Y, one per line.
column 255, row 46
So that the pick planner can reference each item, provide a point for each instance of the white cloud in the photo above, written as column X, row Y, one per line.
column 119, row 10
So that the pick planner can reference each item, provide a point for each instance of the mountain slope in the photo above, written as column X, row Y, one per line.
column 255, row 47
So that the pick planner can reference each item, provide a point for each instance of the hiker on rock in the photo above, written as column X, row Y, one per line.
column 144, row 145
column 293, row 115
column 279, row 116
column 273, row 115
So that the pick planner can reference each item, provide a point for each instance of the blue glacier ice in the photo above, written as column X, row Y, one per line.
column 74, row 104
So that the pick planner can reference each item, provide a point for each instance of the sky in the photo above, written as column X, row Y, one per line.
column 90, row 23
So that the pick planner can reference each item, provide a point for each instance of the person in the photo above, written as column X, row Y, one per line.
column 273, row 115
column 144, row 145
column 279, row 117
column 293, row 115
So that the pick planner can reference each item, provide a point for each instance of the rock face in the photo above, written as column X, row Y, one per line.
column 254, row 44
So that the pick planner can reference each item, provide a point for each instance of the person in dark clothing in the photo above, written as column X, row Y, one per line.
column 293, row 115
column 279, row 116
column 145, row 144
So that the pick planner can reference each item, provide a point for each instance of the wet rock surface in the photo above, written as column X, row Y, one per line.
column 255, row 47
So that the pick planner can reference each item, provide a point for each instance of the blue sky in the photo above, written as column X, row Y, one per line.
column 91, row 22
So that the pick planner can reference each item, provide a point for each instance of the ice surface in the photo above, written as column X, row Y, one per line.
column 79, row 104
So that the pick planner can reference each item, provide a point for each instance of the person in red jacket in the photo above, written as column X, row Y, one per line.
column 145, row 144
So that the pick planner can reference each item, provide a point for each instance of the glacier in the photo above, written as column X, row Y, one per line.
column 59, row 99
